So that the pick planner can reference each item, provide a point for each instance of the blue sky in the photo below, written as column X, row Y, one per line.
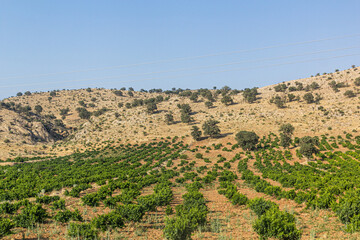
column 39, row 37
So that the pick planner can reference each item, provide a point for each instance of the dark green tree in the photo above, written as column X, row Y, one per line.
column 185, row 117
column 38, row 108
column 151, row 107
column 349, row 94
column 209, row 104
column 211, row 128
column 286, row 132
column 247, row 140
column 169, row 118
column 250, row 94
column 307, row 146
column 309, row 98
column 196, row 133
column 227, row 100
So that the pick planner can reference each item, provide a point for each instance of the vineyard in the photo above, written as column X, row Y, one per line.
column 167, row 189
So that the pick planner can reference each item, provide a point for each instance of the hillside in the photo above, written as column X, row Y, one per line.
column 112, row 164
column 26, row 132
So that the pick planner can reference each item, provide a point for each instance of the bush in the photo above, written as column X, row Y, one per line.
column 177, row 228
column 260, row 205
column 30, row 215
column 5, row 226
column 239, row 199
column 91, row 199
column 277, row 224
column 349, row 94
column 108, row 221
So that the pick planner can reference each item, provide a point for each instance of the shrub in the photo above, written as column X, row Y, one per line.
column 349, row 94
column 209, row 104
column 277, row 224
column 38, row 108
column 82, row 231
column 30, row 215
column 357, row 81
column 108, row 221
column 5, row 226
column 169, row 118
column 260, row 206
column 177, row 228
column 239, row 199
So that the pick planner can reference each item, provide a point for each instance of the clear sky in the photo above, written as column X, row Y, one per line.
column 46, row 45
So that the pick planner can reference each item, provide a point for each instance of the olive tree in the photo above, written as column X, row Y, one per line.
column 247, row 140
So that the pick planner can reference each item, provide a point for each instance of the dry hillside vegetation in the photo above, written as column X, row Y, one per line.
column 58, row 129
column 279, row 162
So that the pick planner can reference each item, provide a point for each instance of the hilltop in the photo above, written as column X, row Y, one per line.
column 50, row 123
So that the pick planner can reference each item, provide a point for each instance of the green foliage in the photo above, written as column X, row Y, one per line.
column 209, row 104
column 82, row 231
column 151, row 107
column 247, row 140
column 30, row 215
column 91, row 199
column 38, row 108
column 227, row 100
column 357, row 81
column 169, row 118
column 131, row 212
column 261, row 206
column 287, row 131
column 111, row 220
column 47, row 199
column 278, row 101
column 349, row 94
column 210, row 128
column 250, row 94
column 5, row 226
column 307, row 146
column 185, row 117
column 277, row 224
column 196, row 133
column 118, row 93
column 83, row 113
column 67, row 215
column 189, row 215
column 309, row 98
column 177, row 228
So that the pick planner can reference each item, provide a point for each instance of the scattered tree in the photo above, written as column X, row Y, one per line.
column 307, row 146
column 309, row 98
column 209, row 104
column 151, row 107
column 250, row 94
column 169, row 118
column 38, row 109
column 286, row 132
column 247, row 140
column 349, row 94
column 210, row 128
column 227, row 100
column 196, row 133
